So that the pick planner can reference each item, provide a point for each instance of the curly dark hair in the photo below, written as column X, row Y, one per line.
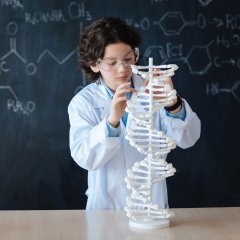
column 98, row 35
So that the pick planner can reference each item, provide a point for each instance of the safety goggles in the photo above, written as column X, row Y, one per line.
column 110, row 64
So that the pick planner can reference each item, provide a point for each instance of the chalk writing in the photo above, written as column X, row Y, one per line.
column 172, row 53
column 77, row 10
column 13, row 3
column 205, row 2
column 214, row 89
column 16, row 105
column 45, row 17
column 233, row 41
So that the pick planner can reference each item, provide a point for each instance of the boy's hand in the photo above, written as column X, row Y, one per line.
column 119, row 103
column 159, row 89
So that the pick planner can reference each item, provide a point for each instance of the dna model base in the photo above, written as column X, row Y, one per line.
column 142, row 135
column 154, row 224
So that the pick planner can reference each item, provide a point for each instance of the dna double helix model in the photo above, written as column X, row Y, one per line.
column 142, row 135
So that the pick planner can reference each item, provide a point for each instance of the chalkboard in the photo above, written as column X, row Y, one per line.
column 39, row 75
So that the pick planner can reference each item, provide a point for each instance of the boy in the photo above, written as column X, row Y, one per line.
column 98, row 120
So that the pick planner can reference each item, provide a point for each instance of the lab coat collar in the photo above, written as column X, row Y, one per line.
column 101, row 96
column 101, row 100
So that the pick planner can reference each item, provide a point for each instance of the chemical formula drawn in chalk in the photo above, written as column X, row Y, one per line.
column 16, row 106
column 173, row 53
column 30, row 67
column 214, row 89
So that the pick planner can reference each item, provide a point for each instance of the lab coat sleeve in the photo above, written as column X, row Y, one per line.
column 90, row 145
column 185, row 133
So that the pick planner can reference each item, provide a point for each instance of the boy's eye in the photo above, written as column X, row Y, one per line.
column 111, row 63
column 128, row 59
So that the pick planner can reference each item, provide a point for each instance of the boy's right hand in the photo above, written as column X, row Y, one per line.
column 119, row 103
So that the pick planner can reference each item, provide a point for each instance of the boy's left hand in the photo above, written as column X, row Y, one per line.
column 159, row 90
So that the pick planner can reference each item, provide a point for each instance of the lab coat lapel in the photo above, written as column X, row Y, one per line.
column 102, row 100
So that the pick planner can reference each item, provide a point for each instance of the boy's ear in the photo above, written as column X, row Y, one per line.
column 95, row 68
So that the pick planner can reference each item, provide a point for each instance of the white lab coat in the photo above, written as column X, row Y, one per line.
column 107, row 159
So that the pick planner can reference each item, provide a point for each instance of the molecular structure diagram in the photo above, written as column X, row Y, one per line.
column 173, row 53
column 14, row 104
column 214, row 89
column 30, row 67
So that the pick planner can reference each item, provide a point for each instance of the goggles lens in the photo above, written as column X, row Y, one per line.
column 112, row 64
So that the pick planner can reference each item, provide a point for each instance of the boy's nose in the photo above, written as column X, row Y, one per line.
column 121, row 66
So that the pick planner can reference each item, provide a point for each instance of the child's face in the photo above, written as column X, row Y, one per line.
column 115, row 55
